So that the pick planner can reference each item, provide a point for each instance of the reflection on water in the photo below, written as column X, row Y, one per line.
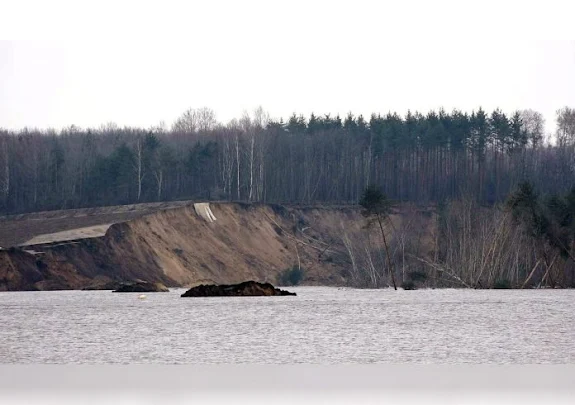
column 320, row 325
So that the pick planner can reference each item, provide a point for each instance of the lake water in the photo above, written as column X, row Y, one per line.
column 320, row 326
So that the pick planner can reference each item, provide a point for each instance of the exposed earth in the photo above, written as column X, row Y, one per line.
column 179, row 244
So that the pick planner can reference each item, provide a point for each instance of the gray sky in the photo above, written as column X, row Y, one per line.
column 138, row 64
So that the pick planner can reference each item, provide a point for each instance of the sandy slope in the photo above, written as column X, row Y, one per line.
column 178, row 247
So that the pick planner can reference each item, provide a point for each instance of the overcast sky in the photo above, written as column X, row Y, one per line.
column 139, row 63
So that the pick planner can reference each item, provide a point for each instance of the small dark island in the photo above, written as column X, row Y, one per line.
column 245, row 289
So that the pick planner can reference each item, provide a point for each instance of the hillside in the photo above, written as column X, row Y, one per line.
column 177, row 245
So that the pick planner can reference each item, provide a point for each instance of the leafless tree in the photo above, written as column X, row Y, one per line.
column 193, row 120
column 4, row 167
column 533, row 124
column 566, row 126
column 138, row 165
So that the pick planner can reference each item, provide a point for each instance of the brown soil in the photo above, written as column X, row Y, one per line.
column 177, row 247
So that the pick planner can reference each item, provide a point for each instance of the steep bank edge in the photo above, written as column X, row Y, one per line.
column 179, row 248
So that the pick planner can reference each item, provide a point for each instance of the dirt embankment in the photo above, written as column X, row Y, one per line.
column 179, row 247
column 21, row 229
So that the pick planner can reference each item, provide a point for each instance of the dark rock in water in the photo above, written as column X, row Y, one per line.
column 140, row 287
column 245, row 289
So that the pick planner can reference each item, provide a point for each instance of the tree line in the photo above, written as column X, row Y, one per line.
column 432, row 157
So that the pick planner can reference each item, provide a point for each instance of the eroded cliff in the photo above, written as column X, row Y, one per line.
column 178, row 247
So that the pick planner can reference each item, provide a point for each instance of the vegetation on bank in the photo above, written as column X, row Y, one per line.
column 528, row 241
column 292, row 276
column 377, row 208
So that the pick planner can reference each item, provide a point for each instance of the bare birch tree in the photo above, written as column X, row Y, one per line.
column 5, row 167
column 138, row 165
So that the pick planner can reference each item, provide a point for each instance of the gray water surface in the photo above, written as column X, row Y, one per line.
column 320, row 326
